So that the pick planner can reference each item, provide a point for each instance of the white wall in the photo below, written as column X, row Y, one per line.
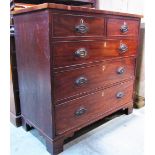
column 129, row 6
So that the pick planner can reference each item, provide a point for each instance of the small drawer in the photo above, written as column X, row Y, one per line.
column 78, row 112
column 77, row 25
column 81, row 52
column 71, row 83
column 122, row 27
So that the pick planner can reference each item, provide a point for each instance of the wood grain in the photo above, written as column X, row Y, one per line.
column 74, row 8
column 33, row 62
column 95, row 104
column 64, row 25
column 97, row 76
column 64, row 52
column 15, row 110
column 114, row 25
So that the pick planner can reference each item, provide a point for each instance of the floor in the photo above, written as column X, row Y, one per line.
column 123, row 135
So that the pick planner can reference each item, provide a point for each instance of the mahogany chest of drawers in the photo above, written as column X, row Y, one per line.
column 75, row 66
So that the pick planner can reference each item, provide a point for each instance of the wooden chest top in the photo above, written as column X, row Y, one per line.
column 72, row 8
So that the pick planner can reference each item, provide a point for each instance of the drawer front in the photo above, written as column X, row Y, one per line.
column 77, row 25
column 71, row 53
column 122, row 27
column 78, row 112
column 74, row 82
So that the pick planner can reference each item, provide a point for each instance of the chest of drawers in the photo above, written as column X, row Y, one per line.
column 75, row 66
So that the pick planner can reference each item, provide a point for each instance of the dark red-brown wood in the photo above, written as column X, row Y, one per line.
column 64, row 52
column 114, row 25
column 61, row 7
column 98, row 76
column 95, row 104
column 95, row 25
column 33, row 62
column 15, row 111
column 48, row 70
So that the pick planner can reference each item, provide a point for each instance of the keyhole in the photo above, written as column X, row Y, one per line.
column 81, row 21
column 103, row 68
column 125, row 23
column 102, row 94
column 105, row 44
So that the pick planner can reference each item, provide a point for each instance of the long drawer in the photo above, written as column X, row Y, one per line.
column 80, row 111
column 73, row 82
column 80, row 52
column 68, row 25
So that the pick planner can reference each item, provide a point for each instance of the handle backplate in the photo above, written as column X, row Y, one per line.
column 81, row 28
column 120, row 70
column 120, row 95
column 81, row 53
column 81, row 81
column 80, row 111
column 124, row 28
column 123, row 48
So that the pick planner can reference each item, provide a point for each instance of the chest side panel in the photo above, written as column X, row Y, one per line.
column 33, row 62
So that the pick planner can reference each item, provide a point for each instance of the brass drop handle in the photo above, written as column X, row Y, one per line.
column 80, row 111
column 124, row 28
column 81, row 53
column 123, row 48
column 81, row 80
column 120, row 70
column 81, row 28
column 120, row 95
